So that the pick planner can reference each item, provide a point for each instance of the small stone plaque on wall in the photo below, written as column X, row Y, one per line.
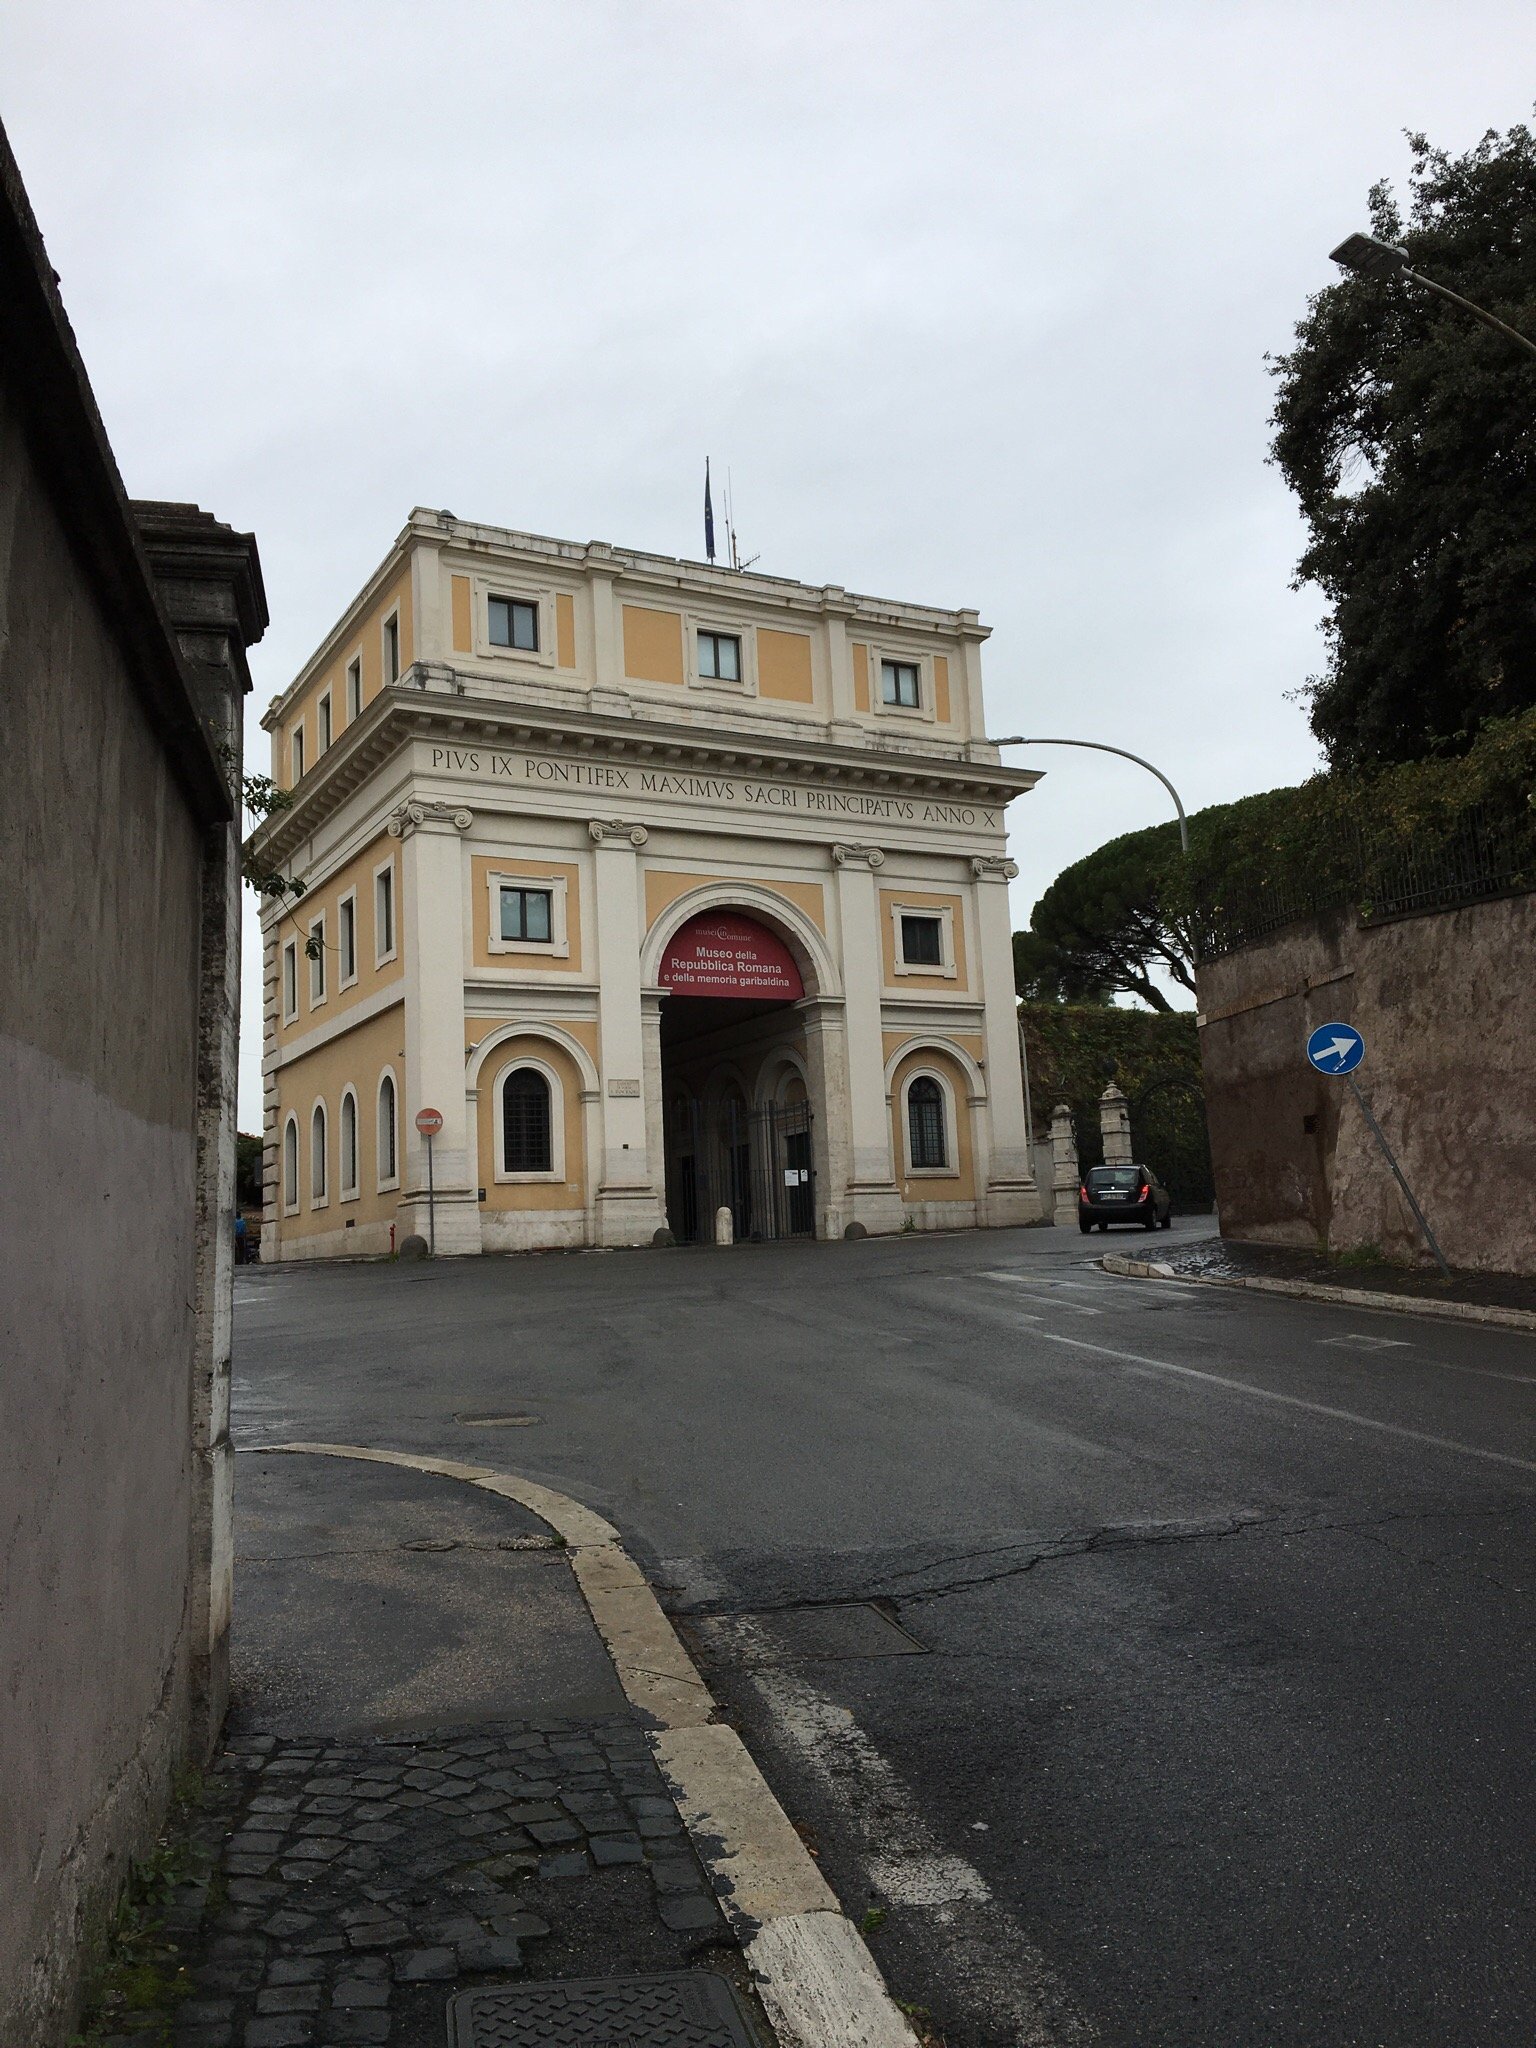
column 623, row 1087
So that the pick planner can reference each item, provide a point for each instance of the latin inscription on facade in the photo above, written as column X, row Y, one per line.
column 541, row 772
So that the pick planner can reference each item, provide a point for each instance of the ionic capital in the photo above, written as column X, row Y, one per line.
column 408, row 816
column 858, row 856
column 993, row 867
column 601, row 830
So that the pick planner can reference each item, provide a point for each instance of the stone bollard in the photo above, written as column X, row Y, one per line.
column 725, row 1226
column 1064, row 1181
column 1115, row 1123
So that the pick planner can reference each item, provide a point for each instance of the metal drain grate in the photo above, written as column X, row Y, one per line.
column 685, row 2009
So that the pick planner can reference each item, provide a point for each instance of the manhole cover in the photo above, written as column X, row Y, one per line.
column 688, row 2009
column 431, row 1543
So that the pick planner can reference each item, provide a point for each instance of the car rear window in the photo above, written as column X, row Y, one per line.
column 1115, row 1177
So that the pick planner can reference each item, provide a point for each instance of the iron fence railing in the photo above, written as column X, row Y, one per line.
column 1486, row 853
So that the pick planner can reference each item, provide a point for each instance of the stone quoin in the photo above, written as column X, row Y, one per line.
column 675, row 888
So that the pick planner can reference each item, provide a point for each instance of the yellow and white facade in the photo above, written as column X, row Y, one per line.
column 528, row 777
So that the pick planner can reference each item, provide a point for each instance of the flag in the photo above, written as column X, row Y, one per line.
column 709, row 516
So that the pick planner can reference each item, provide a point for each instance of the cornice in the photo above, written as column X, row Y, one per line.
column 398, row 716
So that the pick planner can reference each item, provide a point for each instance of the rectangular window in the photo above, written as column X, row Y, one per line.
column 316, row 950
column 514, row 623
column 291, row 979
column 720, row 657
column 354, row 690
column 392, row 648
column 297, row 744
column 922, row 942
column 325, row 721
column 384, row 913
column 346, row 938
column 525, row 914
column 898, row 683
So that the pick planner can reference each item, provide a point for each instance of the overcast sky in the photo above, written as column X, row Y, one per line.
column 973, row 300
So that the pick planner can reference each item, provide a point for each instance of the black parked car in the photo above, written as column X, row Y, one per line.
column 1123, row 1194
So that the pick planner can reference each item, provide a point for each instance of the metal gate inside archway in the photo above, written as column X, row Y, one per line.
column 754, row 1162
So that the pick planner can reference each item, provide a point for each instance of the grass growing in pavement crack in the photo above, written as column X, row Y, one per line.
column 873, row 1920
column 136, row 1979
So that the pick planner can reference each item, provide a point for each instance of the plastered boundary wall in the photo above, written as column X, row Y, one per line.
column 1447, row 1006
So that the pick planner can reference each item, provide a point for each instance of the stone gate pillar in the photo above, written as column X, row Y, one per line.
column 1064, row 1181
column 1115, row 1123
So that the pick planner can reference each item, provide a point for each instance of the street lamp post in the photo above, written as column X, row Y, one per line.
column 1098, row 746
column 1370, row 258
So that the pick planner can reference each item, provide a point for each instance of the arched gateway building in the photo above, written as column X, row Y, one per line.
column 669, row 887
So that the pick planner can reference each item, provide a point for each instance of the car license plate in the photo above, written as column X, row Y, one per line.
column 1113, row 1195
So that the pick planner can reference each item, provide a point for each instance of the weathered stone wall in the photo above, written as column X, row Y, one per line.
column 1447, row 1006
column 119, row 923
column 99, row 935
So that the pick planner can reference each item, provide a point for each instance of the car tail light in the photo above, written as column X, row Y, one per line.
column 1142, row 1192
column 1082, row 1194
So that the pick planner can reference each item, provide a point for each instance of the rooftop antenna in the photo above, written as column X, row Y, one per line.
column 730, row 528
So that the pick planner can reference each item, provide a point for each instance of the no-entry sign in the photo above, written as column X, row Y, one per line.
column 429, row 1122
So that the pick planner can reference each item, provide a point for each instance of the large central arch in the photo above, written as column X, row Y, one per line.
column 735, row 968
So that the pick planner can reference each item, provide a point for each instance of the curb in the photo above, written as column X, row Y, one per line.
column 817, row 1980
column 1317, row 1290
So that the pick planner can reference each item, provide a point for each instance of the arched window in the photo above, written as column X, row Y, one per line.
column 388, row 1166
column 925, row 1122
column 291, row 1163
column 317, row 1149
column 348, row 1143
column 527, row 1143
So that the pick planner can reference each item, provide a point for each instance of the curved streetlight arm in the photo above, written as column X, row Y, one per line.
column 1478, row 312
column 1098, row 746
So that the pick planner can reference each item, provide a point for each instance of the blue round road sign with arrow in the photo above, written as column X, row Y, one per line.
column 1335, row 1048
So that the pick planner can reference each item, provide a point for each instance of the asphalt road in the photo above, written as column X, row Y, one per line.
column 1154, row 1664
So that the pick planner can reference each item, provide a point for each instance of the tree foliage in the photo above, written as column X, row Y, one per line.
column 1107, row 924
column 1407, row 430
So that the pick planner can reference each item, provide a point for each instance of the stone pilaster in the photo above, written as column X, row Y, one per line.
column 1010, row 1195
column 870, row 1194
column 629, row 1208
column 432, row 934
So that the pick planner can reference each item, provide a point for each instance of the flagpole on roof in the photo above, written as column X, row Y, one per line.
column 709, row 517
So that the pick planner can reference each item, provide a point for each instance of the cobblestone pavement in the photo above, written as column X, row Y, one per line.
column 354, row 1886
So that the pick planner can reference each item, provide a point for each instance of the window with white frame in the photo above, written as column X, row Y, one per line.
column 296, row 752
column 924, row 939
column 346, row 939
column 899, row 684
column 528, row 913
column 527, row 1131
column 927, row 1137
column 384, row 913
column 316, row 952
column 389, row 1169
column 348, row 1145
column 513, row 622
column 525, row 913
column 354, row 688
column 392, row 648
column 290, row 981
column 318, row 1194
column 324, row 716
column 720, row 657
column 290, row 1165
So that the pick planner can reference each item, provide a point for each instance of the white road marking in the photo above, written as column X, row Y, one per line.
column 1216, row 1379
column 1049, row 1300
column 1355, row 1341
column 993, row 1958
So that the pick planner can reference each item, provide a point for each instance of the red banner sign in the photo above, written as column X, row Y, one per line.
column 722, row 953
